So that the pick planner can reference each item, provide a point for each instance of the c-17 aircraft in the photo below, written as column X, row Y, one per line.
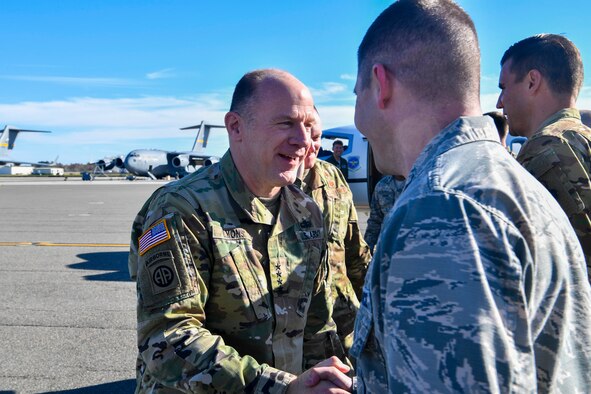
column 7, row 140
column 158, row 164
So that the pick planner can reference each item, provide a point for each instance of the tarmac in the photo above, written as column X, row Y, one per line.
column 67, row 305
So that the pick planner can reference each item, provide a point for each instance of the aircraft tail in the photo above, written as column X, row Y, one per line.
column 202, row 136
column 9, row 134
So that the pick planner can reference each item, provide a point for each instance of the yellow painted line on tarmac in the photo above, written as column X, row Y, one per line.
column 88, row 245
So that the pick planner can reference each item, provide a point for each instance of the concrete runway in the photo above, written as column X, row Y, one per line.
column 67, row 305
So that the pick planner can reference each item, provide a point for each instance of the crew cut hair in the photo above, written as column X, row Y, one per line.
column 246, row 89
column 554, row 56
column 430, row 46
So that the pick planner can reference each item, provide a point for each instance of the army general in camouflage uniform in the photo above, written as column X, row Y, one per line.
column 478, row 282
column 385, row 194
column 348, row 254
column 230, row 262
column 540, row 80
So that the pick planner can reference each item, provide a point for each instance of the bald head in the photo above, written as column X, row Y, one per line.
column 249, row 86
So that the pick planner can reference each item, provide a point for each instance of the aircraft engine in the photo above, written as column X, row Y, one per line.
column 180, row 161
column 119, row 162
column 210, row 161
column 105, row 164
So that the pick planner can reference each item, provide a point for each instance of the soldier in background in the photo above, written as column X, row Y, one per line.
column 501, row 124
column 540, row 80
column 385, row 194
column 478, row 282
column 337, row 160
column 230, row 262
column 348, row 254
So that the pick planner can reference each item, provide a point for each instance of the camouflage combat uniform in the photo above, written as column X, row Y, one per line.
column 348, row 254
column 478, row 283
column 230, row 297
column 384, row 196
column 559, row 156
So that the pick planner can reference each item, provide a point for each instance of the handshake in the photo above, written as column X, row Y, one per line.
column 328, row 376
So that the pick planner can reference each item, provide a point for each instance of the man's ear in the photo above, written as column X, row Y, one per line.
column 234, row 124
column 383, row 83
column 534, row 80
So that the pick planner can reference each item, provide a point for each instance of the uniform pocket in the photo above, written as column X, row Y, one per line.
column 256, row 293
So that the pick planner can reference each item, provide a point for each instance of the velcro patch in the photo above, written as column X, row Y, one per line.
column 162, row 271
column 153, row 236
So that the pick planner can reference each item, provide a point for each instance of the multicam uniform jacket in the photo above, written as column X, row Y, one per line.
column 215, row 315
column 478, row 282
column 348, row 253
column 384, row 196
column 559, row 156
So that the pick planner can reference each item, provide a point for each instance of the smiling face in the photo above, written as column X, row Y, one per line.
column 316, row 136
column 273, row 140
column 513, row 100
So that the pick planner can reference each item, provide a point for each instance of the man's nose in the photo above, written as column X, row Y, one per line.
column 500, row 101
column 300, row 136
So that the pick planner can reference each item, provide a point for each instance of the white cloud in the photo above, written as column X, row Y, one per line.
column 85, row 129
column 348, row 77
column 85, row 81
column 160, row 74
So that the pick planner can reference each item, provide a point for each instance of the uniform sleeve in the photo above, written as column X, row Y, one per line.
column 172, row 280
column 454, row 292
column 374, row 222
column 565, row 173
column 357, row 253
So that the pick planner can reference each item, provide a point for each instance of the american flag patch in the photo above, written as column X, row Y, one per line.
column 153, row 236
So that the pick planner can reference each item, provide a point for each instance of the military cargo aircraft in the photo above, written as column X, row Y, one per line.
column 7, row 140
column 158, row 164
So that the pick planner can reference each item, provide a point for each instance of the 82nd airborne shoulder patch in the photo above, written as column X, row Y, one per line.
column 155, row 235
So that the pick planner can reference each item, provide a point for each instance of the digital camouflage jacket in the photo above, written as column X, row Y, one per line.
column 348, row 254
column 478, row 283
column 384, row 196
column 213, row 314
column 559, row 156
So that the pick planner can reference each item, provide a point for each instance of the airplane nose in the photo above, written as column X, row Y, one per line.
column 129, row 163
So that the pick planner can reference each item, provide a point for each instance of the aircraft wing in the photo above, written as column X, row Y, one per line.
column 6, row 161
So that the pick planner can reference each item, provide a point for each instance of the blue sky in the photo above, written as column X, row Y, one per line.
column 110, row 76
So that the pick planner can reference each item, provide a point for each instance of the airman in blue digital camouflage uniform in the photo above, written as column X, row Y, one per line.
column 232, row 277
column 540, row 80
column 478, row 282
column 348, row 254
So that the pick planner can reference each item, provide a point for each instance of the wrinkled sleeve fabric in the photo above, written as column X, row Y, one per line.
column 357, row 253
column 451, row 302
column 177, row 349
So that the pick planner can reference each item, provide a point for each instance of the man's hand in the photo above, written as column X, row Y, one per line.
column 327, row 376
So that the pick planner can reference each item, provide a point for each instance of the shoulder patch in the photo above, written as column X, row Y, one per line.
column 155, row 235
column 162, row 271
